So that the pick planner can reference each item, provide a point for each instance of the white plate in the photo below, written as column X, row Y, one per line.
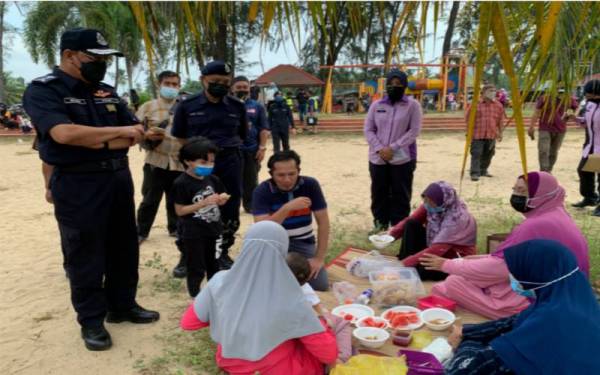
column 409, row 327
column 357, row 310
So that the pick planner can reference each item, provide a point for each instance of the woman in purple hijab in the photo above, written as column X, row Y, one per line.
column 442, row 226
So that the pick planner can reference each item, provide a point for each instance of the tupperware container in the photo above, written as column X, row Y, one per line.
column 436, row 301
column 401, row 338
column 420, row 363
column 396, row 286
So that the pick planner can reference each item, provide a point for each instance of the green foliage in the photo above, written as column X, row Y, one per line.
column 13, row 89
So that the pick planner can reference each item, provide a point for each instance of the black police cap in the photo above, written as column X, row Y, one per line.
column 87, row 40
column 216, row 67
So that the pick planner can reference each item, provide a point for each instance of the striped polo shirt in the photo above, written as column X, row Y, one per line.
column 268, row 199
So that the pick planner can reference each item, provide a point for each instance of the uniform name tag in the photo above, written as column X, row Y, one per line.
column 106, row 100
column 251, row 110
column 233, row 115
column 381, row 111
column 197, row 114
column 69, row 100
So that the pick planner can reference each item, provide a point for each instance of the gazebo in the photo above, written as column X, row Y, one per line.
column 286, row 75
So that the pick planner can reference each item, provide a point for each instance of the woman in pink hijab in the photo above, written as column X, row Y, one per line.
column 481, row 283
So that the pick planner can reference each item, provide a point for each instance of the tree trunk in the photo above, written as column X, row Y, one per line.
column 233, row 37
column 116, row 74
column 2, row 85
column 220, row 51
column 366, row 55
column 129, row 68
column 387, row 42
column 450, row 29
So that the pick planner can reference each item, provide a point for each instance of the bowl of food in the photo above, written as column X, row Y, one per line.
column 372, row 321
column 353, row 312
column 405, row 318
column 371, row 337
column 381, row 241
column 438, row 319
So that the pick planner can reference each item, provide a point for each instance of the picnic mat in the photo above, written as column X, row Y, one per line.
column 337, row 272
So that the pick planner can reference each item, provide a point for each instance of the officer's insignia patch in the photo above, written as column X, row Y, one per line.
column 100, row 39
column 45, row 79
column 111, row 108
column 227, row 68
column 101, row 93
column 69, row 100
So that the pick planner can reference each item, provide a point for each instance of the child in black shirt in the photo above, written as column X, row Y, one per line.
column 198, row 195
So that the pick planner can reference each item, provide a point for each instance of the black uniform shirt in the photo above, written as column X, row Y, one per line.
column 280, row 116
column 224, row 123
column 58, row 98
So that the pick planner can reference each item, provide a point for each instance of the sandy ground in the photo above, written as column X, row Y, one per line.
column 38, row 331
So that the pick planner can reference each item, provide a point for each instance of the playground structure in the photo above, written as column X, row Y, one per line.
column 418, row 86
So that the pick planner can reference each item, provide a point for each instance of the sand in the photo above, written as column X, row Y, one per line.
column 38, row 331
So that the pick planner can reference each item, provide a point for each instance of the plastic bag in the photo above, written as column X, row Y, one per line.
column 396, row 286
column 364, row 364
column 373, row 261
column 345, row 292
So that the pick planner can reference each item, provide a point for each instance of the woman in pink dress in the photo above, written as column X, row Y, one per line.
column 480, row 283
column 258, row 315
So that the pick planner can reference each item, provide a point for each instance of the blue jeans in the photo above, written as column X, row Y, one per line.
column 308, row 248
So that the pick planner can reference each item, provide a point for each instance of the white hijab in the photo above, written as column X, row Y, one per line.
column 258, row 304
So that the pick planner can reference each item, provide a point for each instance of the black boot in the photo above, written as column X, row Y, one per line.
column 96, row 338
column 137, row 314
column 596, row 211
column 586, row 202
column 180, row 270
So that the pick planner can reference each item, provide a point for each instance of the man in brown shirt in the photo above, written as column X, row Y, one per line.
column 161, row 166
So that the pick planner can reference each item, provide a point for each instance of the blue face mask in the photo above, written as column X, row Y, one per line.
column 516, row 286
column 433, row 210
column 168, row 93
column 202, row 171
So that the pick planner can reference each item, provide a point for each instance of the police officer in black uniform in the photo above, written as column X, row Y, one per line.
column 222, row 119
column 281, row 120
column 85, row 131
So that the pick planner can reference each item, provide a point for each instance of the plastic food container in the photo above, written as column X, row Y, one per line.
column 420, row 363
column 371, row 337
column 436, row 301
column 396, row 286
column 402, row 338
column 438, row 319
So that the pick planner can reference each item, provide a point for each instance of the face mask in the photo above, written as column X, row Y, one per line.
column 395, row 93
column 433, row 210
column 595, row 100
column 168, row 93
column 519, row 203
column 278, row 98
column 490, row 95
column 93, row 71
column 241, row 94
column 218, row 90
column 202, row 171
column 517, row 286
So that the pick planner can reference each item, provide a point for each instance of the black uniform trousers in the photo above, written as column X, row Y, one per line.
column 391, row 191
column 96, row 217
column 280, row 136
column 414, row 239
column 228, row 167
column 587, row 182
column 157, row 181
column 200, row 257
column 251, row 167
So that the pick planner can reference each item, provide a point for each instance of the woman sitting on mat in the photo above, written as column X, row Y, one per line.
column 558, row 334
column 258, row 315
column 442, row 225
column 481, row 283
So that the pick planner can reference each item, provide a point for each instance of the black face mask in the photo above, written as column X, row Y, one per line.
column 242, row 94
column 395, row 93
column 218, row 90
column 596, row 100
column 93, row 71
column 519, row 203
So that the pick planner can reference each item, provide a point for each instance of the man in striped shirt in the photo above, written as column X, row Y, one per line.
column 488, row 129
column 291, row 200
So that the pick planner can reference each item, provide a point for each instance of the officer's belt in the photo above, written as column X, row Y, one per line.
column 227, row 151
column 110, row 165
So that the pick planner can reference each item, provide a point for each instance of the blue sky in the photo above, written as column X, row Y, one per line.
column 18, row 61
